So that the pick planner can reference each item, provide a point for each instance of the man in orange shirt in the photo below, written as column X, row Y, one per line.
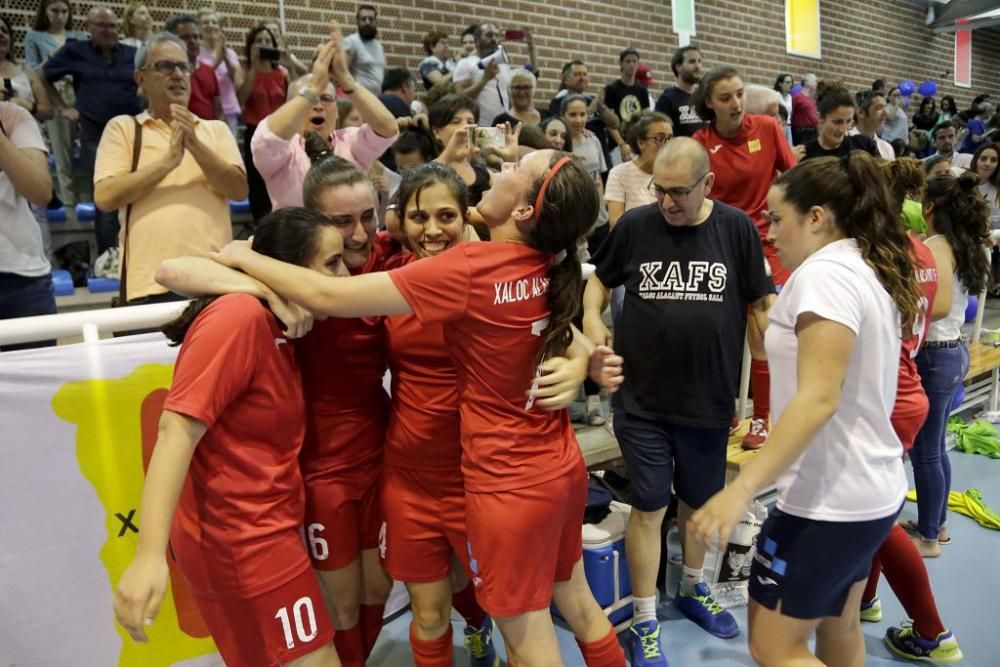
column 176, row 198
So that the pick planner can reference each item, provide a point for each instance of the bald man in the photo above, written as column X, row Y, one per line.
column 102, row 72
column 690, row 265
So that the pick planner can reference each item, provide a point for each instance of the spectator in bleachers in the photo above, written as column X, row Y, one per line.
column 176, row 199
column 489, row 83
column 927, row 115
column 204, row 86
column 289, row 60
column 103, row 73
column 644, row 75
column 137, row 24
column 625, row 95
column 438, row 65
column 25, row 273
column 897, row 124
column 804, row 118
column 601, row 121
column 943, row 137
column 835, row 106
column 399, row 89
column 675, row 101
column 761, row 101
column 469, row 40
column 629, row 182
column 278, row 145
column 48, row 34
column 450, row 118
column 871, row 113
column 949, row 109
column 365, row 55
column 986, row 164
column 413, row 148
column 263, row 91
column 347, row 115
column 20, row 85
column 978, row 134
column 224, row 62
column 556, row 134
column 522, row 100
column 783, row 85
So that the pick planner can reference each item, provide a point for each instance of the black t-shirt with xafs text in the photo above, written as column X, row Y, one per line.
column 626, row 101
column 677, row 104
column 684, row 317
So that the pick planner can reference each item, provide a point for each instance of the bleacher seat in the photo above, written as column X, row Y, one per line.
column 241, row 207
column 98, row 285
column 85, row 212
column 56, row 215
column 62, row 283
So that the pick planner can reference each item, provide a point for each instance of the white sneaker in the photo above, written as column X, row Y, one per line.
column 595, row 417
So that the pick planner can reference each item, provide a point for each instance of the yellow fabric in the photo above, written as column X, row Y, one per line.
column 969, row 504
column 183, row 214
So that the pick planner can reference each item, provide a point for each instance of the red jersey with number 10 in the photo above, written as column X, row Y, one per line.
column 910, row 397
column 493, row 301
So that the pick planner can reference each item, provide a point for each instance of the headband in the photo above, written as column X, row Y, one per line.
column 545, row 184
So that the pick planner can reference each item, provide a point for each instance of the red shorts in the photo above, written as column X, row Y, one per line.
column 424, row 524
column 522, row 541
column 342, row 517
column 907, row 427
column 779, row 273
column 271, row 629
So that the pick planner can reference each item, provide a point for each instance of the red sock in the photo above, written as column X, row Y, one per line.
column 465, row 603
column 350, row 647
column 370, row 622
column 905, row 571
column 871, row 588
column 605, row 652
column 760, row 384
column 432, row 652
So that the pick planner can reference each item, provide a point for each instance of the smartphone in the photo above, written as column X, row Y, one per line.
column 267, row 53
column 513, row 35
column 482, row 137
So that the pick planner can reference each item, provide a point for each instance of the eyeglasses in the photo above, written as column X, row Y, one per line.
column 522, row 89
column 327, row 98
column 676, row 194
column 658, row 139
column 167, row 67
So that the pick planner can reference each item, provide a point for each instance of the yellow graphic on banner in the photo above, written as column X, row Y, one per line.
column 802, row 37
column 116, row 424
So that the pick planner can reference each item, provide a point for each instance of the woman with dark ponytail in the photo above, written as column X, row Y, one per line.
column 834, row 345
column 957, row 231
column 506, row 308
column 836, row 107
column 231, row 431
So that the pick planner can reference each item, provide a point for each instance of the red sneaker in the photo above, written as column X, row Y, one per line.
column 757, row 435
column 734, row 424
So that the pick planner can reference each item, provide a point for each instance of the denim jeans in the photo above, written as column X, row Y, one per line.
column 941, row 372
column 105, row 222
column 21, row 296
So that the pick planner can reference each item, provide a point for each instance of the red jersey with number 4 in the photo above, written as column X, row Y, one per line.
column 424, row 426
column 493, row 301
column 745, row 165
column 343, row 361
column 244, row 497
column 910, row 397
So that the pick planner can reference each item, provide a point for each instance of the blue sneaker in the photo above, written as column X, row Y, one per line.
column 643, row 642
column 905, row 642
column 479, row 643
column 706, row 612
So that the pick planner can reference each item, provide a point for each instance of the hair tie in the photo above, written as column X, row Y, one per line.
column 545, row 184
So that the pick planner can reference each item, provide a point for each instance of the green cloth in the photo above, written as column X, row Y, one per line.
column 969, row 504
column 913, row 217
column 979, row 437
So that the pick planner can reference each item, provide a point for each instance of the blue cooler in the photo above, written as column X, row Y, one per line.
column 605, row 566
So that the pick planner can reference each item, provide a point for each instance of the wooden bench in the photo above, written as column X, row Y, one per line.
column 981, row 382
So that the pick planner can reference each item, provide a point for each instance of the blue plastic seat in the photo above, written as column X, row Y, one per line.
column 62, row 283
column 241, row 207
column 56, row 215
column 99, row 285
column 85, row 212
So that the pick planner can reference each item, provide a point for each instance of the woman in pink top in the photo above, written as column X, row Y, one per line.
column 224, row 61
column 278, row 145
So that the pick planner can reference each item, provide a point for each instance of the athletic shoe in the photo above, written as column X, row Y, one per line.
column 757, row 435
column 871, row 612
column 643, row 642
column 706, row 612
column 479, row 644
column 594, row 415
column 906, row 643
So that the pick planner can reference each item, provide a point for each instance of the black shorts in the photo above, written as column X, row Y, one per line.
column 659, row 453
column 810, row 566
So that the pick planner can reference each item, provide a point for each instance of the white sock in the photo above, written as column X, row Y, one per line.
column 643, row 609
column 692, row 577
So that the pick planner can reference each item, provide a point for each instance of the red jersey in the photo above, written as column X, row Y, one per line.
column 910, row 397
column 804, row 113
column 423, row 428
column 342, row 362
column 268, row 93
column 745, row 165
column 493, row 301
column 237, row 374
column 204, row 90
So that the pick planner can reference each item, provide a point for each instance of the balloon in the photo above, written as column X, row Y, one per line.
column 927, row 89
column 907, row 88
column 956, row 402
column 796, row 89
column 971, row 308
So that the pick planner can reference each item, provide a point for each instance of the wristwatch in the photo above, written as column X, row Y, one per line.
column 310, row 96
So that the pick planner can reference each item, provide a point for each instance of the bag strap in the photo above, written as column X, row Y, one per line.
column 123, row 260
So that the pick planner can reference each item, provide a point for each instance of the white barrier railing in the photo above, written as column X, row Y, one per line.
column 89, row 323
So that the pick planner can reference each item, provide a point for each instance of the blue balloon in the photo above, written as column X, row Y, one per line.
column 971, row 308
column 927, row 89
column 956, row 401
column 907, row 88
column 796, row 89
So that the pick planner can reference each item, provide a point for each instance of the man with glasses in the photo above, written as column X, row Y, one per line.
column 102, row 74
column 690, row 266
column 204, row 85
column 365, row 55
column 177, row 197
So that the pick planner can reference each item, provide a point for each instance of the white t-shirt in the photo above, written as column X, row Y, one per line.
column 885, row 150
column 21, row 249
column 368, row 66
column 853, row 468
column 629, row 185
column 494, row 99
